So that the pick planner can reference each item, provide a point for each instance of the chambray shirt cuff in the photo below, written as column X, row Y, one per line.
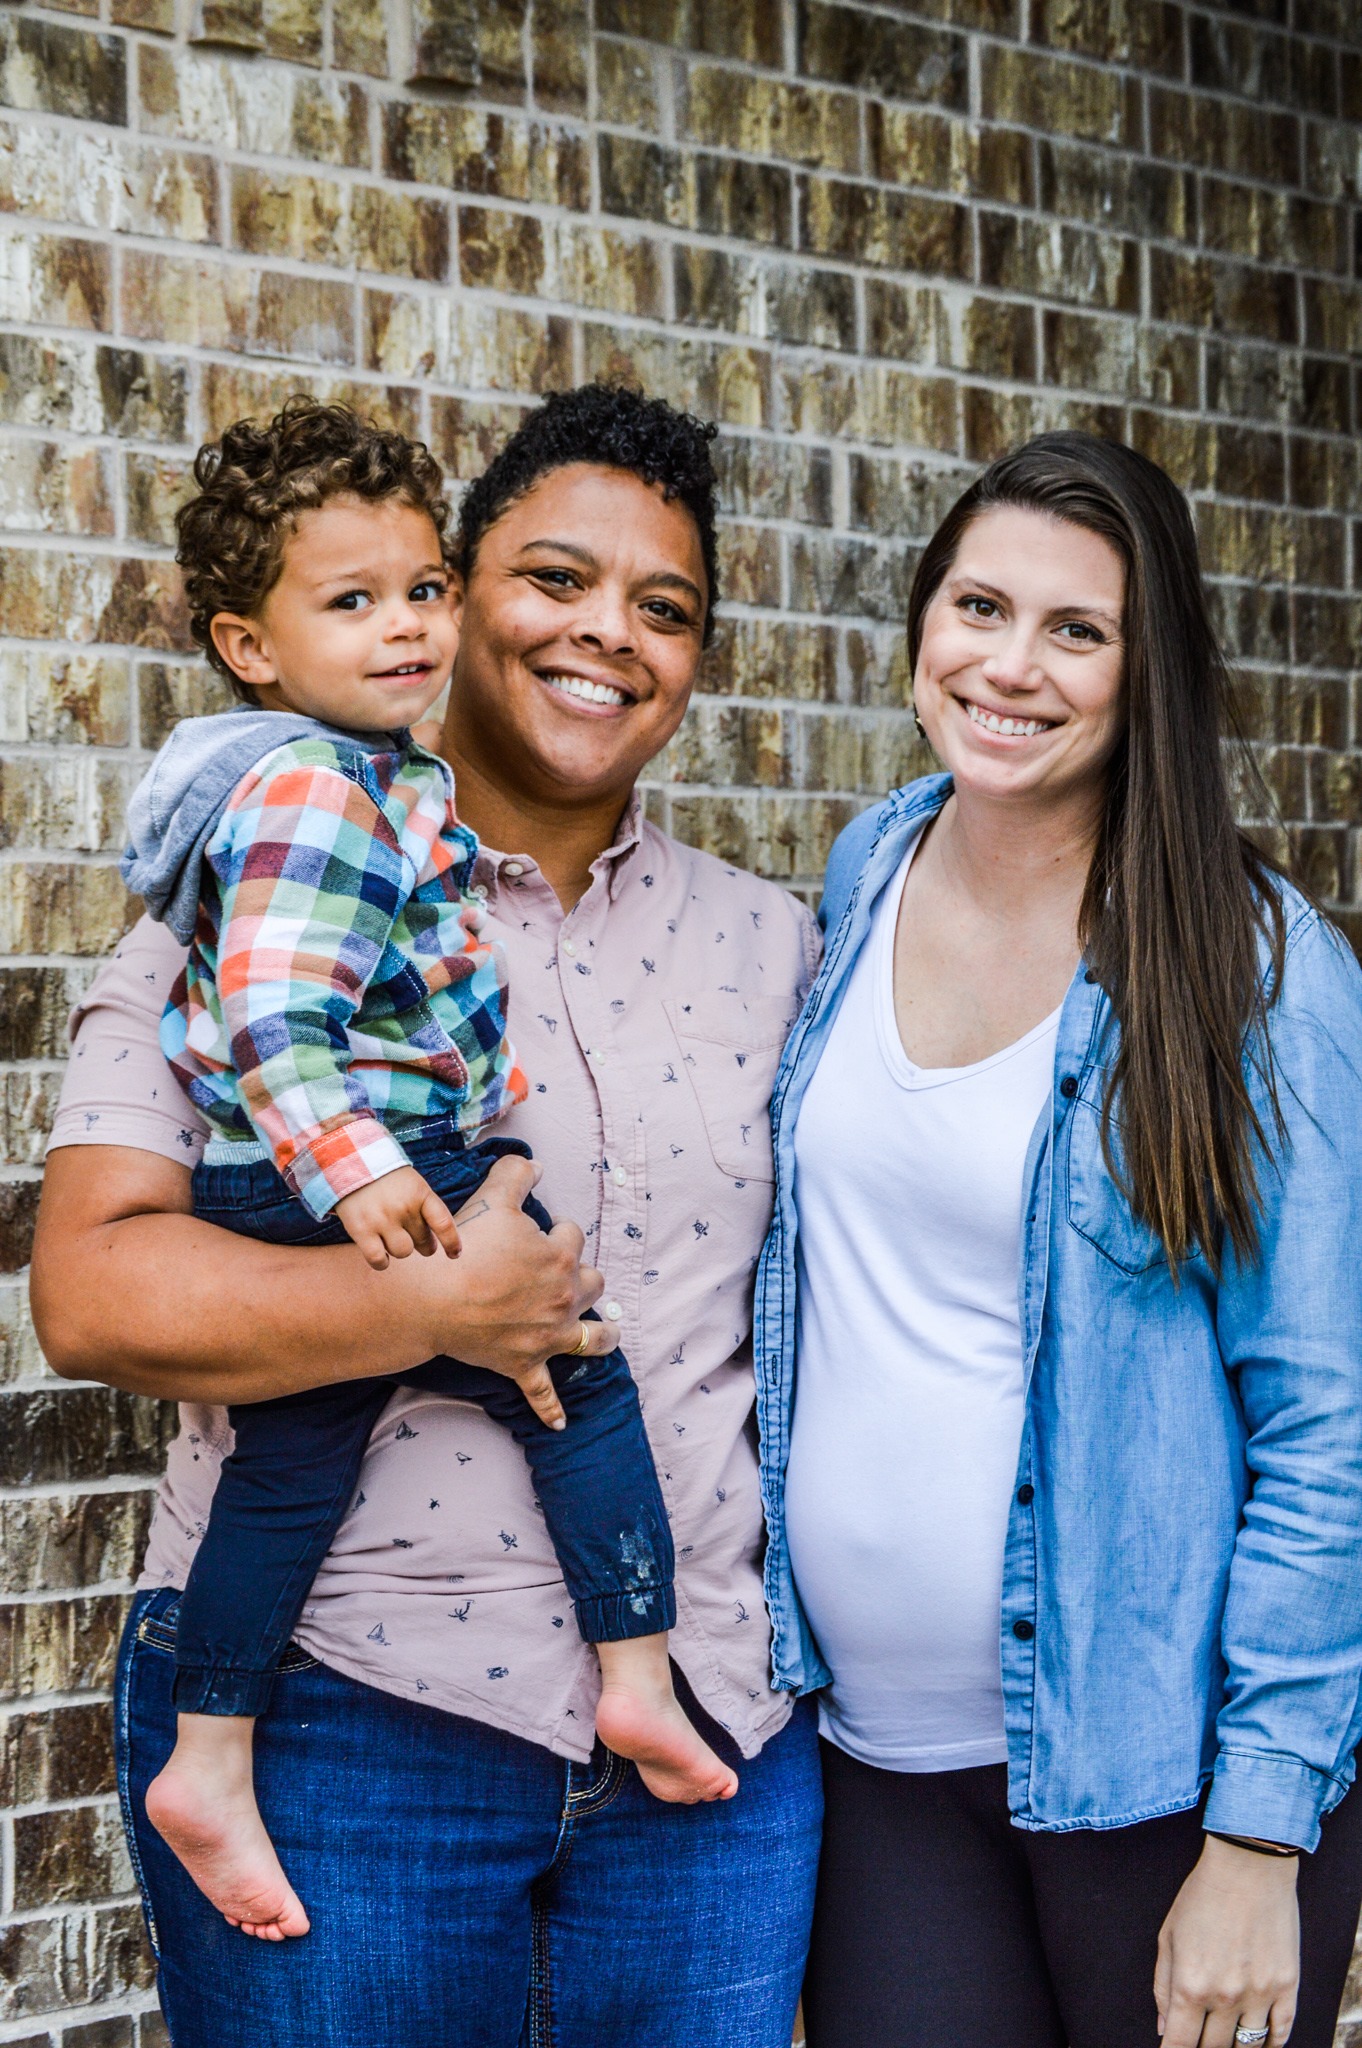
column 1276, row 1798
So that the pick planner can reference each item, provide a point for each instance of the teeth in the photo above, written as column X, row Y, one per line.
column 590, row 693
column 1017, row 728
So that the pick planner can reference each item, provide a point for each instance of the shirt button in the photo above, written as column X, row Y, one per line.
column 598, row 1055
column 613, row 1311
column 515, row 867
column 1068, row 1087
column 1023, row 1631
column 569, row 949
column 1025, row 1495
column 619, row 1176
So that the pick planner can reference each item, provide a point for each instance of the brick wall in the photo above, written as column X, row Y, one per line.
column 879, row 242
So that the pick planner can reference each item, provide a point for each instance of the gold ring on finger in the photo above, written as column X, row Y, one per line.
column 583, row 1339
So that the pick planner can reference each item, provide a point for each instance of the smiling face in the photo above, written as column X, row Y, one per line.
column 581, row 632
column 359, row 630
column 1019, row 679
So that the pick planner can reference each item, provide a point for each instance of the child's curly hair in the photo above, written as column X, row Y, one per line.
column 255, row 481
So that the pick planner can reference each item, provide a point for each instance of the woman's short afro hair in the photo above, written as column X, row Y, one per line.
column 616, row 426
column 256, row 481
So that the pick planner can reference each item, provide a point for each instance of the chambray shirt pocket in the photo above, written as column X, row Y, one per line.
column 1097, row 1209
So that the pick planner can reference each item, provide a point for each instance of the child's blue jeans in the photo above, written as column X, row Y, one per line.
column 293, row 1472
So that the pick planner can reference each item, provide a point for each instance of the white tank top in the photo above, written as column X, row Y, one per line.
column 908, row 1405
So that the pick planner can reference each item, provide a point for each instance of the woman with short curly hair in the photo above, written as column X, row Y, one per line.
column 477, row 1870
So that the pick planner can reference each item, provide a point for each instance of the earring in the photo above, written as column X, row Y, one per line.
column 921, row 728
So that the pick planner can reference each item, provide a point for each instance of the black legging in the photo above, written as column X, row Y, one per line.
column 940, row 1925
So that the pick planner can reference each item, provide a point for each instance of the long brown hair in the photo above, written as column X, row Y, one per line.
column 1178, row 899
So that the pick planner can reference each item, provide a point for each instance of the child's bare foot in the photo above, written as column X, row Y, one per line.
column 640, row 1717
column 203, row 1804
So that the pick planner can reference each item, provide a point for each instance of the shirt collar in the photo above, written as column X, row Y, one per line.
column 608, row 865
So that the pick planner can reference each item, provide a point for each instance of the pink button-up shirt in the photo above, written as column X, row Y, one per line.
column 650, row 1021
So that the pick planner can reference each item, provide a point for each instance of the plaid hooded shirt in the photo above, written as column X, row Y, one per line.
column 339, row 988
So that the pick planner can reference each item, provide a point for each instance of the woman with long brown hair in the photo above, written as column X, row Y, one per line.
column 1067, row 1517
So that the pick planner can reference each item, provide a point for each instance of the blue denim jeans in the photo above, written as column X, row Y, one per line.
column 287, row 1484
column 468, row 1889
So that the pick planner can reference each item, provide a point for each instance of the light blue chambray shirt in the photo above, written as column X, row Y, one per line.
column 1182, row 1584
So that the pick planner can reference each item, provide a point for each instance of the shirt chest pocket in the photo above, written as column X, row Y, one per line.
column 1098, row 1210
column 730, row 1050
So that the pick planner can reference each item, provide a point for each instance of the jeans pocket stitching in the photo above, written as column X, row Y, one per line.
column 124, row 1718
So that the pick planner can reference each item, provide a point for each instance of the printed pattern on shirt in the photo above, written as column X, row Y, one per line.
column 340, row 986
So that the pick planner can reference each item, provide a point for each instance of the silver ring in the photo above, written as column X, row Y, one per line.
column 1251, row 2037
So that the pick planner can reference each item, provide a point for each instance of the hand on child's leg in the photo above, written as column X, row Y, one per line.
column 398, row 1215
column 639, row 1716
column 203, row 1804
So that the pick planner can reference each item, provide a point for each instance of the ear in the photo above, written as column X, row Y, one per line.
column 241, row 644
column 456, row 596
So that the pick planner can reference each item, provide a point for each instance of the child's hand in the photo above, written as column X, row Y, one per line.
column 397, row 1215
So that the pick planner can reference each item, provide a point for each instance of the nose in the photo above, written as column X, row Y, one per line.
column 1011, row 662
column 403, row 620
column 603, row 621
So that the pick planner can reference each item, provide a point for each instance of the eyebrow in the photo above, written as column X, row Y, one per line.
column 1085, row 611
column 364, row 575
column 665, row 579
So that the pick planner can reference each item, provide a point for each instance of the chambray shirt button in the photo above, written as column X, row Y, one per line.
column 1023, row 1631
column 1068, row 1087
column 1025, row 1495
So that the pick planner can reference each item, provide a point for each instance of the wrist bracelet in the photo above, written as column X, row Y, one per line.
column 1278, row 1849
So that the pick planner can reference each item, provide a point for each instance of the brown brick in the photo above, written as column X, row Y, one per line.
column 169, row 691
column 1050, row 94
column 49, row 488
column 760, row 117
column 995, row 421
column 68, row 1433
column 988, row 337
column 1258, row 63
column 768, row 657
column 220, row 306
column 751, row 34
column 559, row 55
column 831, row 575
column 748, row 295
column 55, row 279
column 44, row 1965
column 1237, row 141
column 1200, row 291
column 359, row 36
column 72, row 803
column 766, row 479
column 67, row 384
column 401, row 236
column 728, row 384
column 905, row 322
column 718, row 195
column 58, row 1544
column 1249, row 463
column 626, row 86
column 1263, row 545
column 110, row 2033
column 231, row 391
column 55, row 595
column 71, row 174
column 749, row 565
column 876, row 402
column 465, row 435
column 473, row 43
column 234, row 24
column 307, row 218
column 1123, row 194
column 1054, row 261
column 155, row 487
column 1158, row 365
column 727, row 743
column 156, row 15
column 56, row 1753
column 73, row 1855
column 54, row 906
column 1310, row 713
column 1272, row 227
column 491, row 155
column 1146, row 34
column 894, row 230
column 51, row 69
column 18, row 1198
column 1327, row 634
column 460, row 341
column 519, row 252
column 1333, row 314
column 121, row 1962
column 896, row 60
column 34, row 1005
column 197, row 97
column 1326, row 475
column 906, row 499
column 293, row 30
column 1184, row 447
column 1333, row 165
column 910, row 147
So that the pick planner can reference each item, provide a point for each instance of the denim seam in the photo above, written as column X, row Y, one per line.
column 541, row 1993
column 123, row 1711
